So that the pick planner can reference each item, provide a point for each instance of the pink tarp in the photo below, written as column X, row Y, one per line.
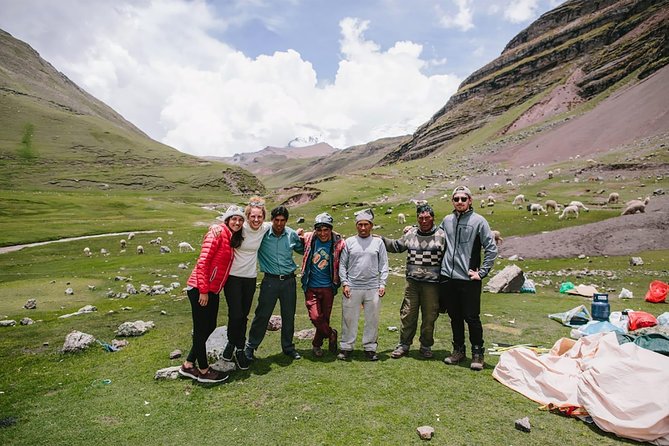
column 624, row 388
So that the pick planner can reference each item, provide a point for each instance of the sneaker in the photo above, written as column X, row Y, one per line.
column 240, row 359
column 317, row 351
column 228, row 351
column 426, row 352
column 477, row 362
column 400, row 350
column 293, row 354
column 457, row 356
column 332, row 342
column 189, row 372
column 250, row 356
column 344, row 355
column 212, row 376
column 371, row 355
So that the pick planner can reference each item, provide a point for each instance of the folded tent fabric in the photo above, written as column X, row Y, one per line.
column 583, row 290
column 622, row 387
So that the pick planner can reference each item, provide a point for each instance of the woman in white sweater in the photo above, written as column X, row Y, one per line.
column 241, row 285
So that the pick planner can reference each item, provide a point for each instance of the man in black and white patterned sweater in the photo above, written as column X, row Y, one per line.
column 425, row 245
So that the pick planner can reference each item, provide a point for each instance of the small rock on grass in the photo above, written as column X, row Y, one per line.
column 167, row 373
column 523, row 424
column 176, row 354
column 425, row 432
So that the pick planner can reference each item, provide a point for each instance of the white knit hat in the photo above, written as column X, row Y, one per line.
column 234, row 210
column 365, row 214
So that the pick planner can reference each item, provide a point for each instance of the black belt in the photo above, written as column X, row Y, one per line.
column 280, row 276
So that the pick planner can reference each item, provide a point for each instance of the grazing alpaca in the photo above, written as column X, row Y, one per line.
column 569, row 211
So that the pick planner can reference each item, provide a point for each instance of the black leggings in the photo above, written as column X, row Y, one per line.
column 239, row 293
column 463, row 303
column 204, row 324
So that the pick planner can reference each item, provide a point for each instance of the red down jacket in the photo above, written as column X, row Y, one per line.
column 213, row 266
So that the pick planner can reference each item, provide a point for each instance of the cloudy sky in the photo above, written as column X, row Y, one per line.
column 220, row 77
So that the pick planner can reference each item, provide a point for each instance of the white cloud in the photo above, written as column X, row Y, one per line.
column 462, row 19
column 520, row 11
column 158, row 64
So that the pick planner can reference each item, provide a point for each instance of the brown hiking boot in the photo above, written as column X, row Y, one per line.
column 477, row 362
column 457, row 355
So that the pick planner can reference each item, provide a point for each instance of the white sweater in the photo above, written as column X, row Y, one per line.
column 245, row 261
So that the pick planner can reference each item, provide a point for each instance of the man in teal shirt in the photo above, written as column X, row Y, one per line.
column 275, row 258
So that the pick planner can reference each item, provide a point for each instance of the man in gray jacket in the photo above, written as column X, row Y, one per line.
column 363, row 271
column 462, row 271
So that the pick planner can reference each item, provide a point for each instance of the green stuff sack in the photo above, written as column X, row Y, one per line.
column 566, row 286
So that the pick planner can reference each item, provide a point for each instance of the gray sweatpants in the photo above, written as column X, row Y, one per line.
column 350, row 312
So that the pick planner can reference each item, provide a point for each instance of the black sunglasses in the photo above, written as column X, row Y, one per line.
column 460, row 199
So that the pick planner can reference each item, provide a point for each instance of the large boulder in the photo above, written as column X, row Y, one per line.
column 136, row 328
column 216, row 343
column 509, row 280
column 77, row 341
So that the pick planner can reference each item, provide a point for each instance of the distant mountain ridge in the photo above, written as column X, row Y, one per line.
column 278, row 166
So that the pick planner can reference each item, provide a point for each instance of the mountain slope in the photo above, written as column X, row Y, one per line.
column 55, row 135
column 585, row 47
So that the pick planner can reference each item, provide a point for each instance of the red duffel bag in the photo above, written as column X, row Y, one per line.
column 657, row 292
column 640, row 319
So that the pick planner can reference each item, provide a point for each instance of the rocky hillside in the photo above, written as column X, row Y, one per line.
column 55, row 135
column 562, row 61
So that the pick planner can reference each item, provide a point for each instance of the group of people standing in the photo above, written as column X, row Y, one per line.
column 444, row 273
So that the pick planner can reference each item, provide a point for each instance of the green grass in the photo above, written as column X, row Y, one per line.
column 62, row 398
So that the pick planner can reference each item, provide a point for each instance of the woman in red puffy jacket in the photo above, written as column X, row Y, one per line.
column 204, row 287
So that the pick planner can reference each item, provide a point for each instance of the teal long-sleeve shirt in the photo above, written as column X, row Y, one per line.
column 275, row 255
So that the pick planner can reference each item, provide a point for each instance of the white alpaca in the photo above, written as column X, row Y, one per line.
column 185, row 247
column 140, row 249
column 497, row 236
column 579, row 205
column 536, row 208
column 520, row 199
column 401, row 219
column 551, row 205
column 87, row 251
column 123, row 244
column 568, row 212
column 635, row 206
column 613, row 198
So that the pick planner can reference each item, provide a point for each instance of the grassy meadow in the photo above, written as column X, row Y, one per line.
column 112, row 398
